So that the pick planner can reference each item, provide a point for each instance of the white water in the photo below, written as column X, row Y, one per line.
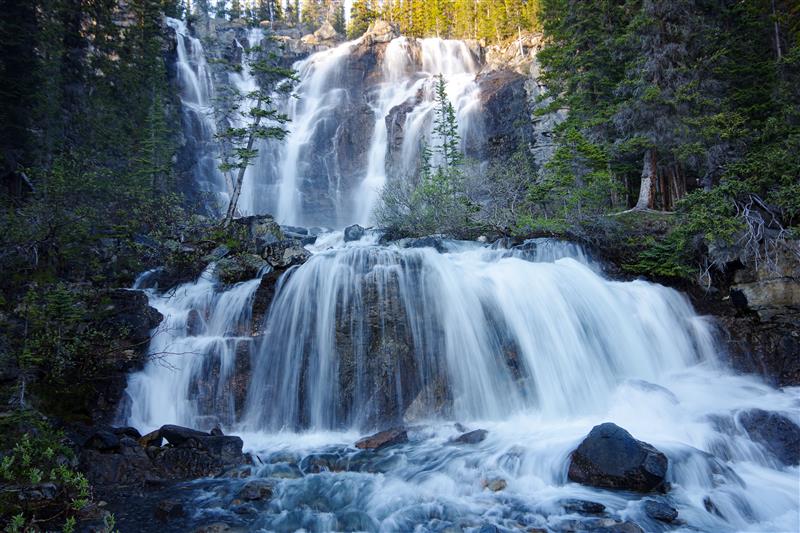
column 588, row 351
column 196, row 94
column 304, row 179
column 532, row 344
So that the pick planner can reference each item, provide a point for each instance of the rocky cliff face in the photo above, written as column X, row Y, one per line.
column 764, row 331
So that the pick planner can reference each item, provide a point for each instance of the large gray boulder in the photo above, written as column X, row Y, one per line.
column 610, row 458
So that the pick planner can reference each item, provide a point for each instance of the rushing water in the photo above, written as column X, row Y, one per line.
column 197, row 118
column 532, row 343
column 321, row 174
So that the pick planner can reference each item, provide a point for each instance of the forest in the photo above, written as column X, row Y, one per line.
column 675, row 158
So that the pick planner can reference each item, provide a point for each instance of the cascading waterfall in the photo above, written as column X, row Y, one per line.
column 308, row 178
column 197, row 115
column 532, row 343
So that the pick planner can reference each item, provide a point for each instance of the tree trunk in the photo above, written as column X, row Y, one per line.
column 237, row 185
column 649, row 176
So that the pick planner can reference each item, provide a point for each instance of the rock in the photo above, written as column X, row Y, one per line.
column 240, row 267
column 390, row 437
column 129, row 310
column 431, row 241
column 504, row 106
column 609, row 457
column 319, row 462
column 168, row 509
column 772, row 289
column 178, row 435
column 102, row 440
column 775, row 432
column 660, row 511
column 495, row 485
column 433, row 401
column 326, row 32
column 599, row 525
column 471, row 437
column 130, row 432
column 260, row 229
column 353, row 233
column 711, row 507
column 381, row 31
column 286, row 253
column 583, row 507
column 153, row 438
column 255, row 490
column 195, row 325
column 294, row 229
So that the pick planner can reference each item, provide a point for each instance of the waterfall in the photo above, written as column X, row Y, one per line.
column 532, row 343
column 196, row 90
column 348, row 119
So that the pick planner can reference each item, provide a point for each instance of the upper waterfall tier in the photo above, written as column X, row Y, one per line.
column 359, row 116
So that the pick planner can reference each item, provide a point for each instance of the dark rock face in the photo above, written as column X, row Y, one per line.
column 286, row 253
column 190, row 454
column 240, row 267
column 660, row 511
column 506, row 118
column 383, row 439
column 583, row 507
column 611, row 458
column 256, row 490
column 779, row 435
column 353, row 233
column 471, row 437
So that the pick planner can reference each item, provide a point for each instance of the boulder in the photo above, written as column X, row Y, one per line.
column 600, row 525
column 255, row 490
column 381, row 31
column 660, row 511
column 353, row 233
column 583, row 507
column 495, row 485
column 260, row 229
column 471, row 437
column 775, row 432
column 286, row 253
column 240, row 267
column 178, row 435
column 609, row 457
column 390, row 437
column 326, row 32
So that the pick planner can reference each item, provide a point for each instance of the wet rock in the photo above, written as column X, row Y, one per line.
column 195, row 324
column 255, row 490
column 433, row 401
column 260, row 230
column 583, row 507
column 320, row 462
column 431, row 241
column 285, row 471
column 294, row 229
column 711, row 507
column 178, row 435
column 775, row 432
column 286, row 253
column 660, row 511
column 168, row 509
column 611, row 458
column 353, row 233
column 355, row 521
column 495, row 485
column 240, row 267
column 390, row 437
column 471, row 437
column 153, row 438
column 599, row 525
column 129, row 432
column 35, row 495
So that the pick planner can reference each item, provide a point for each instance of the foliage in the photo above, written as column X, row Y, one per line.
column 437, row 200
column 41, row 456
column 252, row 117
column 673, row 92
